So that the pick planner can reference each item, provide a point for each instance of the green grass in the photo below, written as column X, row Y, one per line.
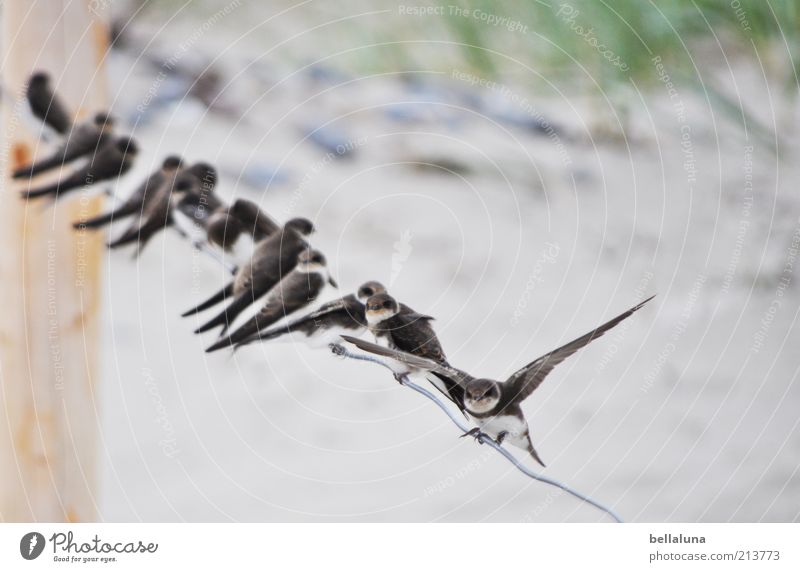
column 693, row 38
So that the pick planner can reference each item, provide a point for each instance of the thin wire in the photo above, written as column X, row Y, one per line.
column 344, row 352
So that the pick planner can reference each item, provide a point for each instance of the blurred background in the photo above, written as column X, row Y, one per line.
column 522, row 171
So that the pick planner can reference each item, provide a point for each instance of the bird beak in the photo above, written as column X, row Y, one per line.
column 332, row 282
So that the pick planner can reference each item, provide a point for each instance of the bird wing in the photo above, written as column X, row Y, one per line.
column 418, row 362
column 294, row 292
column 259, row 223
column 311, row 321
column 222, row 229
column 525, row 381
column 412, row 333
column 346, row 304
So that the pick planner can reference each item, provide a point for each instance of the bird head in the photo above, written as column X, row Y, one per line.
column 206, row 174
column 380, row 307
column 172, row 163
column 104, row 122
column 370, row 288
column 301, row 226
column 40, row 79
column 311, row 261
column 127, row 146
column 481, row 395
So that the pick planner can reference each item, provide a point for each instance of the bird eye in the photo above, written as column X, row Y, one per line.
column 387, row 304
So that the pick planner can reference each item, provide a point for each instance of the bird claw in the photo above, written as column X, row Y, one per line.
column 337, row 349
column 479, row 435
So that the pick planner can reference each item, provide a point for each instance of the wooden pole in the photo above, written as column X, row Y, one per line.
column 49, row 278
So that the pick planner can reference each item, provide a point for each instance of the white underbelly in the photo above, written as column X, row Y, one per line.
column 493, row 426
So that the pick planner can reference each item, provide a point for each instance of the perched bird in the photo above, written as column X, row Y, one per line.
column 201, row 199
column 226, row 224
column 156, row 214
column 84, row 140
column 324, row 326
column 46, row 105
column 194, row 206
column 158, row 210
column 135, row 203
column 272, row 259
column 402, row 328
column 112, row 160
column 296, row 290
column 398, row 327
column 494, row 405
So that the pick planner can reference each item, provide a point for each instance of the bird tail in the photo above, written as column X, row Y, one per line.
column 228, row 315
column 449, row 388
column 96, row 222
column 264, row 336
column 41, row 191
column 250, row 328
column 39, row 167
column 127, row 237
column 533, row 452
column 212, row 301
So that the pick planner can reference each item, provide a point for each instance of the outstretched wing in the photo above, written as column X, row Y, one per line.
column 526, row 380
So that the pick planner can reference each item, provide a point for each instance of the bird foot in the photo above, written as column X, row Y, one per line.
column 337, row 349
column 479, row 435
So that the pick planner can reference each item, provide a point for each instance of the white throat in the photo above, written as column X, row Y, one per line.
column 374, row 318
column 482, row 406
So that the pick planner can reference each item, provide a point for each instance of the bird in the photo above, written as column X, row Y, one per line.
column 193, row 206
column 112, row 160
column 299, row 288
column 156, row 213
column 200, row 199
column 46, row 105
column 83, row 140
column 324, row 326
column 273, row 257
column 495, row 405
column 398, row 327
column 225, row 225
column 402, row 329
column 135, row 203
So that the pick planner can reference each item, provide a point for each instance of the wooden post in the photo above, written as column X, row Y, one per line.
column 49, row 278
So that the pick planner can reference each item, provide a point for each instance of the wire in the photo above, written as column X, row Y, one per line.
column 344, row 352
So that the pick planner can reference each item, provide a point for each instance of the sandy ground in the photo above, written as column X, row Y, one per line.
column 516, row 241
